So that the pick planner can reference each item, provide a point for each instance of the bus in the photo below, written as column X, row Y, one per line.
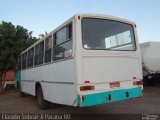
column 90, row 59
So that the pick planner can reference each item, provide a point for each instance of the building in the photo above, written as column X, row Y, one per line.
column 9, row 80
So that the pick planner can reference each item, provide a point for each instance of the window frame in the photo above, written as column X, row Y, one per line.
column 42, row 52
column 28, row 58
column 46, row 50
column 54, row 41
column 52, row 48
column 24, row 61
column 134, row 37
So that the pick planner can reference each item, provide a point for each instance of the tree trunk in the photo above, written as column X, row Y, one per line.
column 2, row 81
column 1, row 88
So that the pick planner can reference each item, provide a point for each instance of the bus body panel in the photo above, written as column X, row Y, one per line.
column 57, row 81
column 28, row 86
column 100, row 69
column 60, row 93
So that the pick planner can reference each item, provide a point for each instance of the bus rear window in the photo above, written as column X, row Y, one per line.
column 102, row 34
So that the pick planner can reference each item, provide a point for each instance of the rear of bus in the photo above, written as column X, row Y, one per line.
column 108, row 64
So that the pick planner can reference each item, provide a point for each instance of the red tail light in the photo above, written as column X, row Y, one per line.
column 134, row 78
column 84, row 88
column 86, row 81
column 138, row 82
column 79, row 17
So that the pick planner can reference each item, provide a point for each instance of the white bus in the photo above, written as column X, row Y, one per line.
column 90, row 59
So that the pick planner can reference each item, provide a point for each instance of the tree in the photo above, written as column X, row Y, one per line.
column 41, row 36
column 13, row 40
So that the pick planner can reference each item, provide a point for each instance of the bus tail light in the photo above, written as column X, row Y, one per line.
column 84, row 88
column 79, row 17
column 138, row 82
column 86, row 81
column 134, row 78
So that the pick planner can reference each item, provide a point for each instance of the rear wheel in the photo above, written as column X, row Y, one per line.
column 43, row 104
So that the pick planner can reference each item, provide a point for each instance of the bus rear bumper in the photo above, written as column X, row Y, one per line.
column 108, row 96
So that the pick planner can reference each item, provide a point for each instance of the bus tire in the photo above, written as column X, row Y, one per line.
column 43, row 104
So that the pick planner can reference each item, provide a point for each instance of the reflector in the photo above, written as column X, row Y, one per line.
column 84, row 88
column 86, row 81
column 79, row 17
column 138, row 82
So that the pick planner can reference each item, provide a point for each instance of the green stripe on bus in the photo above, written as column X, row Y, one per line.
column 18, row 78
column 109, row 96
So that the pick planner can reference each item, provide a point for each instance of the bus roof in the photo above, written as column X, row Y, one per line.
column 105, row 17
column 90, row 15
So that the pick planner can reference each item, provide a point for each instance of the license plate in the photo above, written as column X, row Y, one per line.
column 114, row 84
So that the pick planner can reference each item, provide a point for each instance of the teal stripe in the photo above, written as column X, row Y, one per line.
column 109, row 96
column 18, row 78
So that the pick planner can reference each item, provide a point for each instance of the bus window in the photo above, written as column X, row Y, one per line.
column 54, row 40
column 63, row 40
column 24, row 57
column 120, row 41
column 61, row 36
column 39, row 52
column 102, row 34
column 63, row 50
column 48, row 47
column 30, row 57
column 69, row 31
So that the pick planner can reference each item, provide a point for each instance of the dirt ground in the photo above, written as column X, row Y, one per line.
column 11, row 102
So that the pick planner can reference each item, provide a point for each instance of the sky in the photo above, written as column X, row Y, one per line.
column 45, row 15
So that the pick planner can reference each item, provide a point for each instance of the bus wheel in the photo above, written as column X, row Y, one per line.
column 43, row 104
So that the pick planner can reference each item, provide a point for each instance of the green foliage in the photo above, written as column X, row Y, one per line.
column 13, row 40
column 7, row 38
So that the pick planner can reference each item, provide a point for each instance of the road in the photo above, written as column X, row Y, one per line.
column 11, row 102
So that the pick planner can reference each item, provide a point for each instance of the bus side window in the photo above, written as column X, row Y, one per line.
column 39, row 52
column 24, row 60
column 63, row 38
column 48, row 48
column 69, row 31
column 54, row 44
column 30, row 57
